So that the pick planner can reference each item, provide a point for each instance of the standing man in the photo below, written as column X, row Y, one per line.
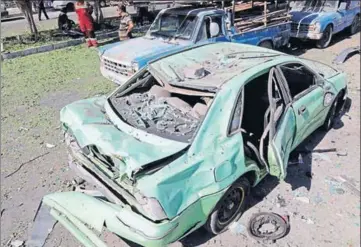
column 84, row 12
column 126, row 23
column 42, row 9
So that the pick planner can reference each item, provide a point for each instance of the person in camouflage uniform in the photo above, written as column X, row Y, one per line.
column 126, row 23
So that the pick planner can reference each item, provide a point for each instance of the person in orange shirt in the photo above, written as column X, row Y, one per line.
column 84, row 11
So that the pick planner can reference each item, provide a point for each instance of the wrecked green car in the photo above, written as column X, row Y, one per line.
column 180, row 144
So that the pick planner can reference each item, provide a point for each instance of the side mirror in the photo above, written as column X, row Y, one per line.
column 214, row 29
column 343, row 6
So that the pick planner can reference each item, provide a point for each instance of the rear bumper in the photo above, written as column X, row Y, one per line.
column 306, row 35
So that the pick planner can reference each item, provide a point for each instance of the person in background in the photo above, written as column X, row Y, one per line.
column 126, row 23
column 84, row 11
column 64, row 23
column 42, row 9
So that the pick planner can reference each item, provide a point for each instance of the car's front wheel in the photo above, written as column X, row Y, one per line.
column 230, row 207
column 326, row 38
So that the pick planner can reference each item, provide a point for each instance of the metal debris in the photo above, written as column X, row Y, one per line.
column 268, row 226
column 342, row 153
column 48, row 145
column 345, row 54
column 43, row 225
column 17, row 243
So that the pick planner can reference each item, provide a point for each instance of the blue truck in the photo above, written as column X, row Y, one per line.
column 178, row 28
column 319, row 20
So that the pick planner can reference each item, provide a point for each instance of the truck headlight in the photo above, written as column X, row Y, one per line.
column 315, row 27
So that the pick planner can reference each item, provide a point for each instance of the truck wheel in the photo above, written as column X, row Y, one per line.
column 330, row 119
column 266, row 44
column 326, row 38
column 230, row 207
column 355, row 26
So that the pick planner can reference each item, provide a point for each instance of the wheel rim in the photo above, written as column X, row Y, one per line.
column 230, row 206
column 326, row 37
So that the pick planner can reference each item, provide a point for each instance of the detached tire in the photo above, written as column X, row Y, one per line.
column 355, row 26
column 330, row 118
column 230, row 207
column 326, row 38
column 266, row 44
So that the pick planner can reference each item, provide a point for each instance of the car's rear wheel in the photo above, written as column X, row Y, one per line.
column 266, row 44
column 355, row 26
column 230, row 207
column 331, row 115
column 326, row 38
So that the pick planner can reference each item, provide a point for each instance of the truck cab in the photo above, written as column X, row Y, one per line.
column 175, row 29
column 319, row 20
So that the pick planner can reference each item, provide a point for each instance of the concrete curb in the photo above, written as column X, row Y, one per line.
column 51, row 47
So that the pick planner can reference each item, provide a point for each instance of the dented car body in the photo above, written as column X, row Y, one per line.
column 179, row 144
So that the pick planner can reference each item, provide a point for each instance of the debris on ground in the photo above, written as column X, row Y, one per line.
column 237, row 228
column 322, row 157
column 31, row 160
column 303, row 199
column 43, row 225
column 48, row 145
column 345, row 54
column 342, row 153
column 268, row 226
column 307, row 220
column 17, row 243
column 337, row 185
column 280, row 201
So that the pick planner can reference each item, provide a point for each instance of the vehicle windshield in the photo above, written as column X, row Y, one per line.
column 314, row 5
column 171, row 25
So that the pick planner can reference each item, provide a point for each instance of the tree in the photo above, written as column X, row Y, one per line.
column 26, row 8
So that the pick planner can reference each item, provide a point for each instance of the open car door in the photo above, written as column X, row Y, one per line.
column 282, row 126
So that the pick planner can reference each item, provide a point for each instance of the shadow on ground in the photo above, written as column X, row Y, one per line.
column 299, row 175
column 299, row 47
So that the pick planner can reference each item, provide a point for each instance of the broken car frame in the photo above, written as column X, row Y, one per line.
column 179, row 145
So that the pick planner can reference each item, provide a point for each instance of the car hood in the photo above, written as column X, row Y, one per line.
column 134, row 49
column 305, row 17
column 89, row 123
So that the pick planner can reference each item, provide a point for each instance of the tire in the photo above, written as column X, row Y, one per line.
column 330, row 118
column 355, row 26
column 266, row 44
column 326, row 38
column 236, row 197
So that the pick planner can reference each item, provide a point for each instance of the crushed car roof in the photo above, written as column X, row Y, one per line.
column 209, row 66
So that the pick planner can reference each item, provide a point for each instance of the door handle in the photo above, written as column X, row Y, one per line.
column 301, row 110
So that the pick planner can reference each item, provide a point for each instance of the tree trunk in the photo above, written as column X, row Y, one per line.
column 26, row 8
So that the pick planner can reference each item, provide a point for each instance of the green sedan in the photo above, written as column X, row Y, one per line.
column 179, row 145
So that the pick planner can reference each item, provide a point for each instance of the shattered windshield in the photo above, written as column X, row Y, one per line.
column 314, row 5
column 171, row 25
column 163, row 112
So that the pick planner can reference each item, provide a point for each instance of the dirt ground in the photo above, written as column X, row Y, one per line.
column 327, row 214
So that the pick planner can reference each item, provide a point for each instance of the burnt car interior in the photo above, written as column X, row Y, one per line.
column 164, row 110
column 262, row 103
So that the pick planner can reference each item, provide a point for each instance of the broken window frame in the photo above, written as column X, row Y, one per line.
column 240, row 99
column 319, row 81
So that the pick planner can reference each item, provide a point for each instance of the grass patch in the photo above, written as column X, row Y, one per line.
column 28, row 80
